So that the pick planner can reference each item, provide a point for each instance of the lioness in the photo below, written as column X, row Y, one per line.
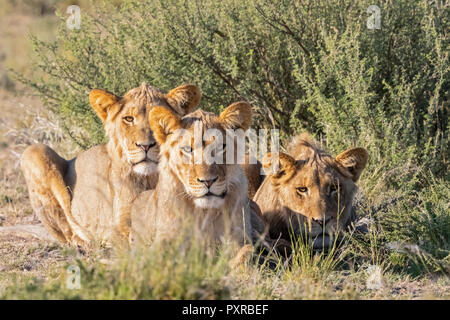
column 212, row 195
column 310, row 191
column 88, row 198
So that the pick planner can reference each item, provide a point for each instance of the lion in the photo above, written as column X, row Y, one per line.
column 254, row 177
column 88, row 198
column 308, row 192
column 212, row 195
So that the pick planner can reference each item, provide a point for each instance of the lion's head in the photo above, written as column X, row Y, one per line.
column 309, row 189
column 207, row 181
column 126, row 121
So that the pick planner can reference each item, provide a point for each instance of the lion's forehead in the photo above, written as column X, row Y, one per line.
column 192, row 125
column 207, row 133
column 134, row 109
column 319, row 175
column 139, row 107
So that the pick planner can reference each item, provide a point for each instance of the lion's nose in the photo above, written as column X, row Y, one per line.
column 146, row 147
column 322, row 221
column 208, row 183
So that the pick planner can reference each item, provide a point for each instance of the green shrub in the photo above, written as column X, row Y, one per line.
column 303, row 65
column 422, row 220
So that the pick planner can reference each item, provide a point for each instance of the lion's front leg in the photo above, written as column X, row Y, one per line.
column 122, row 225
column 122, row 229
column 123, row 199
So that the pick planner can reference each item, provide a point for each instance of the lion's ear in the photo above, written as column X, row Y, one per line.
column 101, row 101
column 237, row 116
column 354, row 160
column 280, row 166
column 163, row 122
column 184, row 99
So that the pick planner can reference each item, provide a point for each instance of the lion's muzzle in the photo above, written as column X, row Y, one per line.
column 144, row 160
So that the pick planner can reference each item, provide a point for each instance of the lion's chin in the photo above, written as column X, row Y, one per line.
column 145, row 168
column 209, row 202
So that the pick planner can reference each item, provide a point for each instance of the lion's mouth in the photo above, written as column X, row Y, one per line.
column 210, row 194
column 146, row 160
column 145, row 167
column 210, row 200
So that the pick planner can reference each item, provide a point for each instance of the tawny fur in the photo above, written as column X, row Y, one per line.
column 180, row 195
column 308, row 190
column 253, row 173
column 88, row 198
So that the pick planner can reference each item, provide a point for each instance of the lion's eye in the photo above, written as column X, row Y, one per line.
column 128, row 119
column 301, row 190
column 187, row 149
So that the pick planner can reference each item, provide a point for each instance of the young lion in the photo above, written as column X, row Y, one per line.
column 310, row 191
column 88, row 198
column 212, row 195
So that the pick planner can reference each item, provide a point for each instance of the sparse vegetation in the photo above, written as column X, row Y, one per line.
column 303, row 65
